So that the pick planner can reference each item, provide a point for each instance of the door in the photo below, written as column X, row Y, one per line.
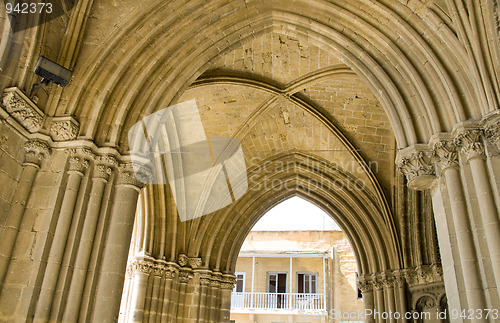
column 277, row 287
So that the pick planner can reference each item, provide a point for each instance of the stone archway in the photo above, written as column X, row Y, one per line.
column 431, row 64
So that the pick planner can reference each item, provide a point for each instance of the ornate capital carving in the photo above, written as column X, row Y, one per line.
column 205, row 279
column 107, row 160
column 446, row 154
column 126, row 176
column 365, row 285
column 102, row 171
column 183, row 260
column 492, row 133
column 194, row 262
column 227, row 282
column 36, row 151
column 418, row 167
column 64, row 128
column 470, row 143
column 21, row 108
column 142, row 266
column 78, row 164
column 184, row 276
column 388, row 281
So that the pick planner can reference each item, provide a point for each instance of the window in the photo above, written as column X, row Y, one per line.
column 240, row 283
column 307, row 283
column 277, row 282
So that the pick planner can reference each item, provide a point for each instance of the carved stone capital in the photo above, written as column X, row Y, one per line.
column 141, row 266
column 64, row 129
column 492, row 133
column 470, row 143
column 102, row 172
column 194, row 262
column 205, row 278
column 388, row 281
column 22, row 109
column 36, row 151
column 126, row 176
column 365, row 285
column 399, row 281
column 169, row 270
column 228, row 282
column 378, row 285
column 446, row 153
column 183, row 260
column 78, row 164
column 216, row 280
column 107, row 160
column 184, row 276
column 419, row 169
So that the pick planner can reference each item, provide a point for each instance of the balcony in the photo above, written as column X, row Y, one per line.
column 277, row 301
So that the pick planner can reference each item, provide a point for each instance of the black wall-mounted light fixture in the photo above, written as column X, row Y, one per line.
column 51, row 73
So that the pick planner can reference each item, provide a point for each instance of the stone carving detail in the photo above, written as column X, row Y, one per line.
column 418, row 168
column 183, row 260
column 470, row 142
column 126, row 176
column 36, row 151
column 227, row 282
column 141, row 266
column 365, row 285
column 205, row 279
column 492, row 133
column 107, row 160
column 426, row 274
column 215, row 283
column 158, row 269
column 170, row 273
column 22, row 109
column 184, row 276
column 152, row 266
column 399, row 281
column 78, row 164
column 388, row 281
column 102, row 171
column 194, row 262
column 446, row 154
column 424, row 303
column 64, row 128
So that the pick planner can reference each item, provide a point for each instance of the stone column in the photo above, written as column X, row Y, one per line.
column 140, row 269
column 379, row 299
column 366, row 287
column 154, row 308
column 400, row 288
column 204, row 313
column 448, row 164
column 119, row 232
column 473, row 149
column 101, row 174
column 215, row 296
column 171, row 293
column 36, row 151
column 227, row 286
column 181, row 299
column 389, row 296
column 76, row 171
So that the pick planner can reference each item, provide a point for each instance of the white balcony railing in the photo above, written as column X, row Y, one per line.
column 276, row 301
